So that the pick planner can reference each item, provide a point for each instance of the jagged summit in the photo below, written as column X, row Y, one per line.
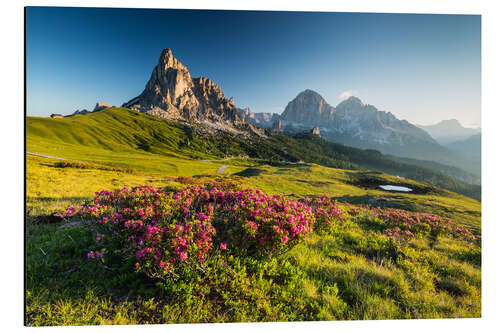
column 167, row 60
column 172, row 93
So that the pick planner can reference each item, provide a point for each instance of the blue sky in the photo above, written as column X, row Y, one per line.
column 423, row 68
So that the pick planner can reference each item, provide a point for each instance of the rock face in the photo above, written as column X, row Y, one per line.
column 172, row 93
column 277, row 126
column 307, row 110
column 100, row 106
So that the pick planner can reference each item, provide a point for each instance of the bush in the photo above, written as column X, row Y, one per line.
column 168, row 234
column 404, row 225
column 328, row 213
column 84, row 165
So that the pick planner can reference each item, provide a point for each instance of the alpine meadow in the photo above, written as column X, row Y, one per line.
column 180, row 205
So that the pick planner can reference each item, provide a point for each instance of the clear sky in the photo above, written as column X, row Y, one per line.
column 423, row 68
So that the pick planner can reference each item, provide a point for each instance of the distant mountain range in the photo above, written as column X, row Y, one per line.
column 448, row 131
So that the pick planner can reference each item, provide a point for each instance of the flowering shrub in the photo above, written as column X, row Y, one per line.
column 252, row 222
column 156, row 228
column 404, row 225
column 167, row 232
column 328, row 212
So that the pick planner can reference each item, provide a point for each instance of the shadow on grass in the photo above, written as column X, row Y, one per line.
column 249, row 172
column 398, row 202
column 373, row 179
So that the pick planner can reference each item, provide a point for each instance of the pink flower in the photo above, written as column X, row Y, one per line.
column 223, row 246
column 183, row 256
column 91, row 254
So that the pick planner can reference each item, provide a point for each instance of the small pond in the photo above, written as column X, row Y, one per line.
column 395, row 188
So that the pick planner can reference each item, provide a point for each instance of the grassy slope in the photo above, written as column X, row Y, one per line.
column 335, row 275
column 121, row 137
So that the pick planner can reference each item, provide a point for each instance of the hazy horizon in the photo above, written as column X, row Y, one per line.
column 422, row 68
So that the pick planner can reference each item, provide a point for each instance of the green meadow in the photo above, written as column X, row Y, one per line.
column 352, row 271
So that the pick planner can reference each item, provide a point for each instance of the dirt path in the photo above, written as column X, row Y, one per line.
column 47, row 156
column 222, row 169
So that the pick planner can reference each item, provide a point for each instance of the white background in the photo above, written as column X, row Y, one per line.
column 12, row 157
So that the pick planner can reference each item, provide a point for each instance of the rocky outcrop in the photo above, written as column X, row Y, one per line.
column 83, row 111
column 100, row 106
column 316, row 131
column 172, row 93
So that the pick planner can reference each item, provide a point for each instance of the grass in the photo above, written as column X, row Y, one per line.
column 350, row 272
column 328, row 277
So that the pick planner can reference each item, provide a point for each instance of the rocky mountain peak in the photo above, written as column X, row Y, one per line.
column 172, row 93
column 350, row 103
column 308, row 109
column 167, row 60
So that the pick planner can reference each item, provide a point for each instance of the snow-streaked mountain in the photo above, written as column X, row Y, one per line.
column 366, row 122
column 361, row 125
